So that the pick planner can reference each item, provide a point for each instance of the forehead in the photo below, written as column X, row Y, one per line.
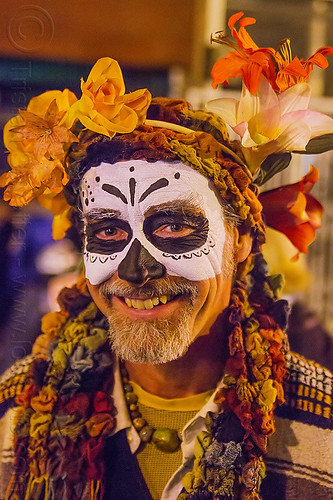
column 137, row 183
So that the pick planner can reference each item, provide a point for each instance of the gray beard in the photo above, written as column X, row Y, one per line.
column 150, row 342
column 158, row 341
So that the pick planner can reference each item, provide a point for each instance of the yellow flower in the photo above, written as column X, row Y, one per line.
column 40, row 126
column 19, row 192
column 46, row 135
column 36, row 140
column 104, row 107
column 29, row 180
column 60, row 209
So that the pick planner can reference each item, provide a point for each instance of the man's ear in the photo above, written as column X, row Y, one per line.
column 242, row 245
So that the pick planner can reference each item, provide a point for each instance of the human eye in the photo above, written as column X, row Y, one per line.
column 108, row 230
column 174, row 230
column 111, row 234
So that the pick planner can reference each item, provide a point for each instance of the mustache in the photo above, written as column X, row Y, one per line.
column 164, row 286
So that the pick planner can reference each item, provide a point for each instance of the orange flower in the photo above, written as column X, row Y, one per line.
column 248, row 60
column 36, row 140
column 29, row 180
column 104, row 107
column 19, row 191
column 293, row 71
column 46, row 136
column 294, row 211
column 40, row 126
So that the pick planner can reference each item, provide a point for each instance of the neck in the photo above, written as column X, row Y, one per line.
column 199, row 370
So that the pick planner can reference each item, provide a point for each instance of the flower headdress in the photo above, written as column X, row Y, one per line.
column 39, row 138
column 273, row 121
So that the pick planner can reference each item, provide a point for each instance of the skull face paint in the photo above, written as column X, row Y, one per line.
column 166, row 211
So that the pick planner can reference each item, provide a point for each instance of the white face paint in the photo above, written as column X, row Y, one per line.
column 149, row 202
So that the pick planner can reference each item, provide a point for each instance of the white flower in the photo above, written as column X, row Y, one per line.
column 272, row 123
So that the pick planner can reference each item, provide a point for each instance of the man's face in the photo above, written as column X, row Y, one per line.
column 158, row 259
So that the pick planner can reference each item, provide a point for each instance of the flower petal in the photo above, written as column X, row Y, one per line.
column 227, row 67
column 320, row 123
column 319, row 57
column 301, row 235
column 293, row 211
column 241, row 129
column 108, row 69
column 314, row 210
column 294, row 137
column 243, row 38
column 226, row 108
column 295, row 98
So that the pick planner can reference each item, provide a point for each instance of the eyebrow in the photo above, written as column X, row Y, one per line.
column 185, row 206
column 99, row 213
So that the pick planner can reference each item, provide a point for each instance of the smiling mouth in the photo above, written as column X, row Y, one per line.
column 147, row 303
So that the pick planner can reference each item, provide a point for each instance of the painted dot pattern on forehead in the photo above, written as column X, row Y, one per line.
column 87, row 193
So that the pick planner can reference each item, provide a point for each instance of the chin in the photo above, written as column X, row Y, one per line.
column 153, row 342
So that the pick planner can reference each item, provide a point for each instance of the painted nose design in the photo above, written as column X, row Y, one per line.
column 138, row 266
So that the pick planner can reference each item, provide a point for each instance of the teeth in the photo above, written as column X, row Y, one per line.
column 138, row 304
column 147, row 303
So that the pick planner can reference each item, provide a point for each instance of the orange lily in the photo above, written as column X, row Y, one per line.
column 293, row 211
column 248, row 60
column 293, row 71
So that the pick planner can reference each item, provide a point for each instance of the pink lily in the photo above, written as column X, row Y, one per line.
column 272, row 123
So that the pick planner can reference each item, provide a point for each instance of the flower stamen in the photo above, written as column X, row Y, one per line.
column 285, row 50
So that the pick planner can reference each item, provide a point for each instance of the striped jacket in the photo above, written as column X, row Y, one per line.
column 299, row 463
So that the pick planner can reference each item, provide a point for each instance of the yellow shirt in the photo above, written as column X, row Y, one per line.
column 157, row 466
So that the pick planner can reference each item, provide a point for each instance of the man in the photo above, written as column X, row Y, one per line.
column 167, row 388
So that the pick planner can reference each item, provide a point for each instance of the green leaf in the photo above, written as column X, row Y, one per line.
column 318, row 145
column 273, row 164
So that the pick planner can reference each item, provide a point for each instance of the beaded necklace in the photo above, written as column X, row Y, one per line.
column 165, row 439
